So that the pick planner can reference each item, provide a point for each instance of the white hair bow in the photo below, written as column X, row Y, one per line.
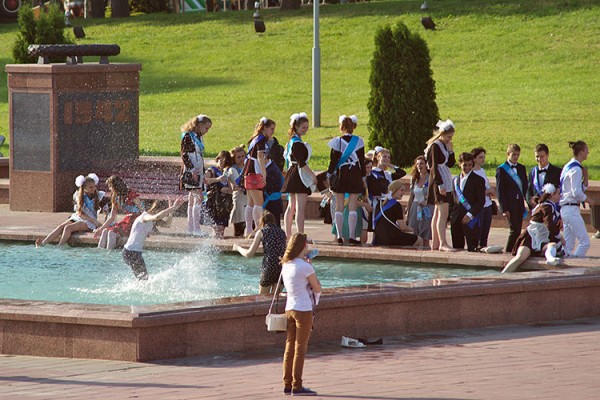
column 263, row 120
column 549, row 188
column 445, row 126
column 296, row 116
column 354, row 119
column 201, row 117
column 378, row 149
column 342, row 118
column 80, row 180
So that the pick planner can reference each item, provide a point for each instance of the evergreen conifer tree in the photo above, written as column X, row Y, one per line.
column 402, row 108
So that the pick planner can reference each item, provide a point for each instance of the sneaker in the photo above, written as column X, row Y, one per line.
column 303, row 392
column 287, row 391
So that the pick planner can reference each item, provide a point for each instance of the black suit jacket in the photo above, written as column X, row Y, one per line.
column 508, row 193
column 552, row 176
column 474, row 192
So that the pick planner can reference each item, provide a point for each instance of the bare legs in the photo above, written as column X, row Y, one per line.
column 64, row 230
column 523, row 254
column 296, row 206
column 108, row 240
column 438, row 228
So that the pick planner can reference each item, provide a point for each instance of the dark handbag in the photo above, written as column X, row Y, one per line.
column 187, row 178
column 494, row 207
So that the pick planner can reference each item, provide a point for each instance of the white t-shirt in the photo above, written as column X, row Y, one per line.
column 481, row 173
column 295, row 278
column 139, row 232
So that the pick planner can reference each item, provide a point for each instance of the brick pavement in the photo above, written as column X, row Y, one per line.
column 544, row 361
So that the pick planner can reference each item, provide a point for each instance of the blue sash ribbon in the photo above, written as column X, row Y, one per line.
column 391, row 203
column 463, row 201
column 88, row 204
column 537, row 185
column 348, row 152
column 287, row 154
column 566, row 169
column 515, row 177
column 197, row 140
column 254, row 142
column 271, row 197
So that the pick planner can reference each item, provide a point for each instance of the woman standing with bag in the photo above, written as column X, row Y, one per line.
column 303, row 291
column 347, row 165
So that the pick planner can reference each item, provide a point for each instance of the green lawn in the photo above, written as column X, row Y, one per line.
column 506, row 71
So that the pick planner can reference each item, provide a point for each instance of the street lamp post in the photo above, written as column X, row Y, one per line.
column 316, row 68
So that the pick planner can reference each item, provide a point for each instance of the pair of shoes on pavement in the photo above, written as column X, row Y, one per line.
column 299, row 392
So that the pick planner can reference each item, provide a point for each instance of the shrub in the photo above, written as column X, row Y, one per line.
column 149, row 6
column 48, row 29
column 402, row 108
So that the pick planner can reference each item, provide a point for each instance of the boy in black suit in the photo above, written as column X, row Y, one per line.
column 542, row 174
column 511, row 186
column 469, row 196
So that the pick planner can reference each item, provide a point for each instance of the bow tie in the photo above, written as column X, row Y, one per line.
column 512, row 165
column 543, row 170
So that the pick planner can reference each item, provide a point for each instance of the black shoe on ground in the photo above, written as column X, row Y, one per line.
column 340, row 241
column 354, row 242
column 303, row 392
column 287, row 391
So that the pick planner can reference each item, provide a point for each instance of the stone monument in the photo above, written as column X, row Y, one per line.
column 66, row 120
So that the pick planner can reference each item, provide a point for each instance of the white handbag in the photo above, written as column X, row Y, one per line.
column 276, row 322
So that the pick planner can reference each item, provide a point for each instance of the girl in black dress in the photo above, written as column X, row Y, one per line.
column 255, row 171
column 390, row 228
column 300, row 180
column 347, row 164
column 440, row 158
column 219, row 194
column 542, row 235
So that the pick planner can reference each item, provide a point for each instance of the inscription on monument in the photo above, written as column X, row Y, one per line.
column 97, row 126
column 31, row 131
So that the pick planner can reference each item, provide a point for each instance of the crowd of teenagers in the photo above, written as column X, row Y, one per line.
column 362, row 192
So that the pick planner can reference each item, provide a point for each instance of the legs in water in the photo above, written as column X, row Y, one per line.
column 53, row 235
column 523, row 254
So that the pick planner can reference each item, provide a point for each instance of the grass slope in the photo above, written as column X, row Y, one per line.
column 506, row 71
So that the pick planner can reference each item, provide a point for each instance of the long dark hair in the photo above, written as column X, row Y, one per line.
column 414, row 173
column 119, row 190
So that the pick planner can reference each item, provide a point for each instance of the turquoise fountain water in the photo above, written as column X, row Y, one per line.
column 90, row 275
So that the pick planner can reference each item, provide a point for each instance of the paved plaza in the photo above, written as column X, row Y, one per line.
column 545, row 361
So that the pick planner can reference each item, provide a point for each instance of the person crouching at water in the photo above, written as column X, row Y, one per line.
column 542, row 236
column 303, row 291
column 273, row 239
column 142, row 227
column 390, row 228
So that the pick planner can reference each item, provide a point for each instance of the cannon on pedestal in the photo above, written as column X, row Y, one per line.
column 73, row 52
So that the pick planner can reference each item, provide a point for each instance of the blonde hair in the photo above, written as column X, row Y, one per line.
column 81, row 193
column 393, row 187
column 194, row 124
column 294, row 247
